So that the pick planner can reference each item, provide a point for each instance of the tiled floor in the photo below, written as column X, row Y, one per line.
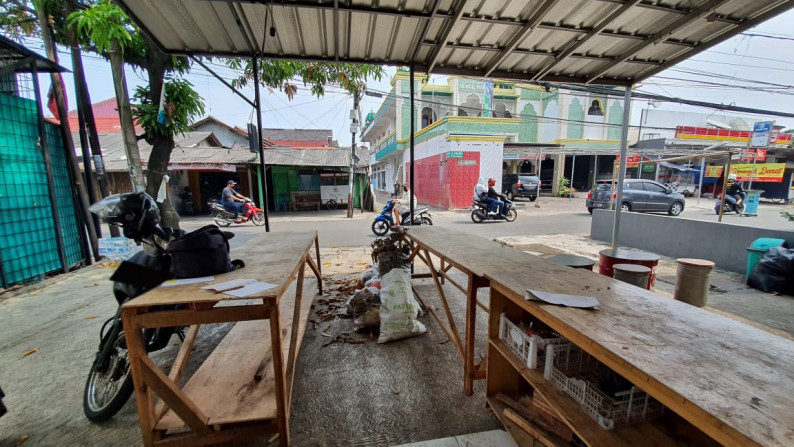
column 493, row 438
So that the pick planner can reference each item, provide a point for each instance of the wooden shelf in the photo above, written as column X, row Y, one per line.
column 570, row 412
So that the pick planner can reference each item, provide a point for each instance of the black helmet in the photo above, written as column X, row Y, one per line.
column 135, row 212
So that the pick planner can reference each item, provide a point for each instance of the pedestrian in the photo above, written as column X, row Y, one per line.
column 232, row 201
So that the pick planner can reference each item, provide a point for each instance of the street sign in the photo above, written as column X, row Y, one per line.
column 455, row 154
column 762, row 131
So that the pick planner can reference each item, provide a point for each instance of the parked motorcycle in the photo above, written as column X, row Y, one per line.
column 224, row 217
column 480, row 213
column 731, row 204
column 384, row 221
column 109, row 383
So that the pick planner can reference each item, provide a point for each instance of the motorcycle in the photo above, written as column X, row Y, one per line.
column 383, row 222
column 224, row 217
column 109, row 384
column 480, row 213
column 730, row 204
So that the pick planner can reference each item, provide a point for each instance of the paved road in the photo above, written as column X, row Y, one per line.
column 553, row 216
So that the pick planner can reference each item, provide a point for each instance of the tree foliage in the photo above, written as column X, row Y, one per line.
column 279, row 74
column 182, row 106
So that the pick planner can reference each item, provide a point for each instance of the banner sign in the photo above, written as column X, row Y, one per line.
column 714, row 171
column 632, row 161
column 769, row 172
column 748, row 156
column 707, row 133
column 454, row 154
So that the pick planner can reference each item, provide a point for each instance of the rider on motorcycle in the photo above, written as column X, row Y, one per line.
column 493, row 198
column 232, row 201
column 734, row 189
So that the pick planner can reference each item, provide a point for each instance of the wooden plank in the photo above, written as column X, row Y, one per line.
column 520, row 437
column 224, row 386
column 227, row 434
column 178, row 367
column 471, row 321
column 537, row 433
column 548, row 421
column 279, row 381
column 179, row 403
column 292, row 350
column 136, row 352
column 269, row 257
column 453, row 328
column 318, row 267
column 184, row 317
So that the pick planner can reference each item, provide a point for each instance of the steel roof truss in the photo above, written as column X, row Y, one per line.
column 519, row 37
column 442, row 42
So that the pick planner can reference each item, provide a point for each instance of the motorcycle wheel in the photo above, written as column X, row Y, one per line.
column 220, row 220
column 258, row 219
column 477, row 216
column 511, row 216
column 380, row 227
column 330, row 205
column 107, row 391
column 427, row 221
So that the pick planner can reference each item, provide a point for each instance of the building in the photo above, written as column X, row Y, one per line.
column 472, row 128
column 301, row 138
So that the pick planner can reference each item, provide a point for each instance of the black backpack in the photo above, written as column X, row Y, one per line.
column 202, row 252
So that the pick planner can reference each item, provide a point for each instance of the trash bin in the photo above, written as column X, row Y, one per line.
column 692, row 281
column 751, row 202
column 757, row 250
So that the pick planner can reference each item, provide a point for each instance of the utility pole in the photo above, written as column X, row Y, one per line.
column 353, row 156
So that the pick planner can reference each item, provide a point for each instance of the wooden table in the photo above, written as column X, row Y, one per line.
column 244, row 389
column 722, row 380
column 474, row 257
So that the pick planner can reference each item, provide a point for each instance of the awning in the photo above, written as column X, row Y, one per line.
column 675, row 166
column 14, row 58
column 570, row 41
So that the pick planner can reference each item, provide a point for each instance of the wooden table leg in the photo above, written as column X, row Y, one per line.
column 282, row 418
column 452, row 326
column 143, row 394
column 292, row 355
column 471, row 321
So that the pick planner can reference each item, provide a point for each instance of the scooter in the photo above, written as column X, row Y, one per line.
column 731, row 204
column 480, row 213
column 109, row 384
column 383, row 222
column 224, row 217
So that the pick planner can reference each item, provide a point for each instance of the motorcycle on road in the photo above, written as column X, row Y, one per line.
column 224, row 217
column 480, row 213
column 383, row 222
column 731, row 204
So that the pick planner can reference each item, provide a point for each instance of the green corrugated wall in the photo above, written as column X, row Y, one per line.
column 28, row 243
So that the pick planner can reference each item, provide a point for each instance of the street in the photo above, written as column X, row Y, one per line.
column 553, row 216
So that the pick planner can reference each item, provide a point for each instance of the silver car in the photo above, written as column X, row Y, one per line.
column 638, row 195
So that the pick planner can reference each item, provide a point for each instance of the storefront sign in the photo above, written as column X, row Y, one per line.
column 454, row 154
column 748, row 156
column 769, row 172
column 762, row 130
column 714, row 171
column 467, row 162
column 202, row 167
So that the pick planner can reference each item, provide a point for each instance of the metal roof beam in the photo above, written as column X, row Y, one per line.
column 780, row 8
column 700, row 12
column 519, row 37
column 645, row 4
column 443, row 40
column 540, row 53
column 335, row 6
column 426, row 26
column 576, row 44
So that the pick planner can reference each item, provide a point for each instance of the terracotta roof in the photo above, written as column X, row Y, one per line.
column 106, row 117
column 102, row 109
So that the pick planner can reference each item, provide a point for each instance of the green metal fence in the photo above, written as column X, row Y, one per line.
column 28, row 240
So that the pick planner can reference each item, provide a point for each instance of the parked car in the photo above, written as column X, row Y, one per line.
column 638, row 195
column 521, row 185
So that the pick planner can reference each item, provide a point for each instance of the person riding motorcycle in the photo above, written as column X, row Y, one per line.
column 493, row 198
column 734, row 189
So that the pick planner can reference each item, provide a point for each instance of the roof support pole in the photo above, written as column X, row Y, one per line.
column 413, row 126
column 262, row 171
column 624, row 145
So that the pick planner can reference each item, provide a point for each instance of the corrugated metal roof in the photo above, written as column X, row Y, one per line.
column 14, row 58
column 574, row 41
column 316, row 135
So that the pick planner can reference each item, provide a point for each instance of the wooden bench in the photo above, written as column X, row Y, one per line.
column 300, row 202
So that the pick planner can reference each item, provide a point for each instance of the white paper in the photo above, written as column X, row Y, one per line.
column 182, row 282
column 562, row 300
column 251, row 289
column 233, row 284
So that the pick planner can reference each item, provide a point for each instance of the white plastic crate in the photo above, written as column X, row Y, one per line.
column 117, row 248
column 529, row 348
column 576, row 373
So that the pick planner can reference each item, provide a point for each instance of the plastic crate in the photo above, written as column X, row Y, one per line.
column 117, row 248
column 529, row 348
column 576, row 373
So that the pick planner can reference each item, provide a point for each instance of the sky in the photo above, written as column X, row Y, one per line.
column 763, row 54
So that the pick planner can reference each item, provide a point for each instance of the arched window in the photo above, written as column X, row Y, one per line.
column 596, row 108
column 462, row 112
column 428, row 117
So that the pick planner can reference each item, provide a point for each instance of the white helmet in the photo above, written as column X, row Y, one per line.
column 731, row 177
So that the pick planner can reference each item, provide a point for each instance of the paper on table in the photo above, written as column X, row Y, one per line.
column 233, row 284
column 586, row 302
column 182, row 282
column 250, row 289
